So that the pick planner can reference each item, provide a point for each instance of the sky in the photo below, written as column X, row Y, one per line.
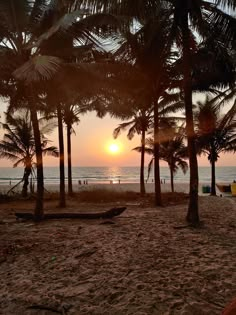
column 92, row 138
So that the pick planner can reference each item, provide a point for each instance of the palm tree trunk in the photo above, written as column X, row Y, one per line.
column 192, row 214
column 70, row 188
column 142, row 184
column 27, row 173
column 213, row 178
column 62, row 202
column 171, row 178
column 38, row 211
column 157, row 181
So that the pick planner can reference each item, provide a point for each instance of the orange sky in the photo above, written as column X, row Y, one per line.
column 93, row 135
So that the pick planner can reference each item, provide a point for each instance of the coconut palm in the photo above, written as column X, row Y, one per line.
column 31, row 51
column 172, row 148
column 70, row 116
column 140, row 123
column 185, row 19
column 23, row 67
column 71, row 102
column 18, row 143
column 207, row 19
column 146, row 50
column 216, row 133
column 174, row 153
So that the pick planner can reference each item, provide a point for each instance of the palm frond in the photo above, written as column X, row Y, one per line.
column 51, row 151
column 150, row 165
column 37, row 69
column 121, row 127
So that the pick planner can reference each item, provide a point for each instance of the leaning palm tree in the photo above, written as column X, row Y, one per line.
column 216, row 133
column 18, row 143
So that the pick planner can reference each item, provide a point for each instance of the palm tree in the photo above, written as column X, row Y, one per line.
column 31, row 36
column 216, row 133
column 172, row 148
column 146, row 49
column 75, row 42
column 28, row 76
column 70, row 102
column 23, row 67
column 174, row 152
column 70, row 116
column 139, row 124
column 185, row 19
column 18, row 143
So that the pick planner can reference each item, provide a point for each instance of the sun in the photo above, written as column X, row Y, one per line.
column 114, row 148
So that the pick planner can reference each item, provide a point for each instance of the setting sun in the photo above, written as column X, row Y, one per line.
column 114, row 148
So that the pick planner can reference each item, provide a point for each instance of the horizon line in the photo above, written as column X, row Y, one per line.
column 56, row 166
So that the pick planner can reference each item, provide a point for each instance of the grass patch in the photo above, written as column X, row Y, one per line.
column 174, row 198
column 105, row 196
column 7, row 198
column 168, row 199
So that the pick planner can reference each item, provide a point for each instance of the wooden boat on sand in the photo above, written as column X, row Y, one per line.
column 224, row 188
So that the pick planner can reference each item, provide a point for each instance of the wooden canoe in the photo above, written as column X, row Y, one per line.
column 224, row 188
column 83, row 215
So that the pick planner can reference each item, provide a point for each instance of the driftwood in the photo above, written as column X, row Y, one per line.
column 88, row 215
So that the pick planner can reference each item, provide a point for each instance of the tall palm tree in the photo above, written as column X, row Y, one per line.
column 23, row 67
column 28, row 76
column 29, row 51
column 185, row 19
column 76, row 96
column 18, row 143
column 139, row 124
column 70, row 116
column 148, row 50
column 189, row 16
column 216, row 133
column 75, row 42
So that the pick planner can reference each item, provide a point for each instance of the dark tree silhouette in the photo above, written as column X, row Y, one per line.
column 216, row 132
column 18, row 143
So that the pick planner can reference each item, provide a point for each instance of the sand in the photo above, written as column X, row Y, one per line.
column 138, row 263
column 179, row 187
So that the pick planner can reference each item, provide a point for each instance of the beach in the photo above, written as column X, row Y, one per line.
column 122, row 187
column 145, row 261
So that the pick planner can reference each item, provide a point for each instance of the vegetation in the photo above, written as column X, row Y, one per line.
column 18, row 143
column 172, row 149
column 53, row 60
column 216, row 133
column 139, row 124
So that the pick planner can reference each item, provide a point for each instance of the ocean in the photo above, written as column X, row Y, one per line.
column 124, row 174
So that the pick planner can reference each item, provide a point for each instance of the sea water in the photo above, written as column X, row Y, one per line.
column 105, row 175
